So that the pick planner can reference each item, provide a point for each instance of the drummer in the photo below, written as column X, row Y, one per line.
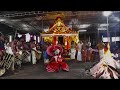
column 38, row 53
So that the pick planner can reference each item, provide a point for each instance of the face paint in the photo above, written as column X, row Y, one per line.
column 57, row 51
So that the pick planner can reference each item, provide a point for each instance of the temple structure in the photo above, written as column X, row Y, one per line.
column 60, row 33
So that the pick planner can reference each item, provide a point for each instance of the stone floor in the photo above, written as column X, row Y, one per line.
column 77, row 71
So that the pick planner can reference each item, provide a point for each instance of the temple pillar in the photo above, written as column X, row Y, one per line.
column 65, row 38
column 54, row 40
column 68, row 42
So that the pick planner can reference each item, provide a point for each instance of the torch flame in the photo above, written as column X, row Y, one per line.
column 107, row 51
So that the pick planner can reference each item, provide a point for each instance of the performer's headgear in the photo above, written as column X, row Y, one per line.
column 54, row 50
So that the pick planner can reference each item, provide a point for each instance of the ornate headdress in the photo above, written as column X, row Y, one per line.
column 54, row 49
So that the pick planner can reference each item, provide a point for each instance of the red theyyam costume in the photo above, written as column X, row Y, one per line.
column 57, row 61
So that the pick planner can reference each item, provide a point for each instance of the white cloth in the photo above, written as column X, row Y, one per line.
column 80, row 46
column 73, row 52
column 79, row 56
column 28, row 58
column 46, row 61
column 33, row 56
column 99, row 68
column 102, row 66
column 9, row 50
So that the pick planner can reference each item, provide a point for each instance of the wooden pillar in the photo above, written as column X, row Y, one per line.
column 54, row 40
column 65, row 39
column 68, row 42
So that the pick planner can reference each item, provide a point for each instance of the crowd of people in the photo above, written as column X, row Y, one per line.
column 82, row 51
column 19, row 51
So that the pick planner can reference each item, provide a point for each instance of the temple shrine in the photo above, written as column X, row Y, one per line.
column 60, row 33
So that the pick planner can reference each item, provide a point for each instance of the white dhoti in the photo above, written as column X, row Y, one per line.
column 33, row 57
column 101, row 53
column 73, row 53
column 29, row 58
column 79, row 56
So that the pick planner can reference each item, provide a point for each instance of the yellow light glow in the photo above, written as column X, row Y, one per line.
column 108, row 52
column 48, row 39
column 59, row 23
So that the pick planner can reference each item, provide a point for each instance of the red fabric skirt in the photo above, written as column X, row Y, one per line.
column 55, row 67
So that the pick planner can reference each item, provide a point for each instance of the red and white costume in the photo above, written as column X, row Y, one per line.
column 57, row 61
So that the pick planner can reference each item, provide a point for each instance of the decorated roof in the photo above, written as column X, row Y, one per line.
column 59, row 28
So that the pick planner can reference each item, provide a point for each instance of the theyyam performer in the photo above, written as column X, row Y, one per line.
column 107, row 67
column 101, row 46
column 57, row 61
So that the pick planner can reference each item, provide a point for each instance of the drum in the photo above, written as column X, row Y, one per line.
column 7, row 61
column 17, row 59
column 24, row 55
column 38, row 55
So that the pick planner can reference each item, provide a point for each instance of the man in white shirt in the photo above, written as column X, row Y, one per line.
column 79, row 56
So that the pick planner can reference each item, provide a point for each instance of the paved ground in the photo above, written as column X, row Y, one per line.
column 77, row 71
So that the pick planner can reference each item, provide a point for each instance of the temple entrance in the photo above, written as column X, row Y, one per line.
column 60, row 40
